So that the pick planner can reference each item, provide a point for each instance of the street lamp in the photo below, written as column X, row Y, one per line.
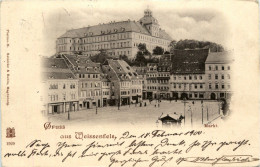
column 118, row 103
column 96, row 107
column 184, row 108
column 202, row 111
column 69, row 112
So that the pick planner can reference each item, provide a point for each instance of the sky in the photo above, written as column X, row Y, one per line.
column 178, row 20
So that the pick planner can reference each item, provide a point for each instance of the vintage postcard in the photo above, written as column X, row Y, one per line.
column 150, row 83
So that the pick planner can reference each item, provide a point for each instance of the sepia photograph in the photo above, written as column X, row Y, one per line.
column 130, row 83
column 158, row 69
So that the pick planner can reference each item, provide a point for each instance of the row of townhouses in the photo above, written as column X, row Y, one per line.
column 74, row 82
column 190, row 74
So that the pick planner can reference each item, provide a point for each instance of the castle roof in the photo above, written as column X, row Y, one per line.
column 112, row 28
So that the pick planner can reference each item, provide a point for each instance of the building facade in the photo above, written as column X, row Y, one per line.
column 218, row 75
column 60, row 87
column 88, row 74
column 188, row 74
column 126, row 86
column 163, row 78
column 117, row 38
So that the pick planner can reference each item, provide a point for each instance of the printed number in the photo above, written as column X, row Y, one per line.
column 10, row 143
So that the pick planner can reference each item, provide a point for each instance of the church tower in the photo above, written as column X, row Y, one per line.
column 150, row 23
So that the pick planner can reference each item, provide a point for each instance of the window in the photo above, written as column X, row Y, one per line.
column 179, row 86
column 222, row 94
column 201, row 86
column 190, row 78
column 228, row 67
column 209, row 76
column 228, row 76
column 228, row 86
column 210, row 86
column 195, row 95
column 72, row 86
column 216, row 76
column 64, row 86
column 223, row 68
column 216, row 86
column 222, row 76
column 195, row 86
column 209, row 68
column 174, row 85
column 223, row 86
column 200, row 77
column 216, row 68
column 195, row 77
column 53, row 86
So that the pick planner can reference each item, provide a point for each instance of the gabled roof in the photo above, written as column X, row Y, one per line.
column 119, row 70
column 56, row 68
column 82, row 64
column 190, row 61
column 220, row 57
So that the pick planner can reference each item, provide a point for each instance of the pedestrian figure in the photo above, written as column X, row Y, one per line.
column 158, row 104
column 145, row 104
column 155, row 105
column 140, row 104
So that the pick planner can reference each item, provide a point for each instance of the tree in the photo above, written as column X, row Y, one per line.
column 194, row 44
column 125, row 58
column 158, row 50
column 140, row 60
column 166, row 52
column 142, row 48
column 172, row 45
column 100, row 57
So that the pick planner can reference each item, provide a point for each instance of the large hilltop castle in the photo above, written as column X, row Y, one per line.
column 117, row 38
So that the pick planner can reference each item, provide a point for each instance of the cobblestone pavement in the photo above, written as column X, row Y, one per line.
column 137, row 116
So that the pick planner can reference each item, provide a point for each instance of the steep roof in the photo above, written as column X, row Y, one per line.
column 56, row 68
column 111, row 28
column 82, row 64
column 119, row 70
column 220, row 57
column 190, row 61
